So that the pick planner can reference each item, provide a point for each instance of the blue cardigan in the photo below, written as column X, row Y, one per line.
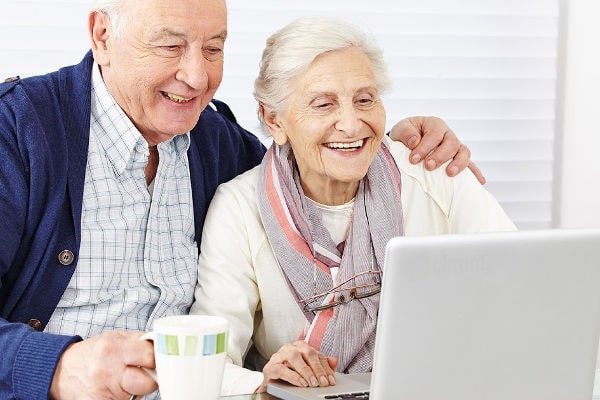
column 44, row 135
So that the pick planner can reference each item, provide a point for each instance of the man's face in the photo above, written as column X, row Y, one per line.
column 166, row 66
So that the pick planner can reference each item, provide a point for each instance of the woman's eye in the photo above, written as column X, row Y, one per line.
column 322, row 104
column 365, row 101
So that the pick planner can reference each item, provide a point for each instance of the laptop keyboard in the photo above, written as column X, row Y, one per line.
column 353, row 395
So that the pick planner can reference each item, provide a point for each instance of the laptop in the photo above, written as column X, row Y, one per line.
column 510, row 316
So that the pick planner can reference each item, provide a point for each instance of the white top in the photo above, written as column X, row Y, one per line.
column 239, row 277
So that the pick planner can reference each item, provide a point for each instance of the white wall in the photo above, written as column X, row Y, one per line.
column 580, row 181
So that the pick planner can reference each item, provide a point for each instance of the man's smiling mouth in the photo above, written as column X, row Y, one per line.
column 175, row 98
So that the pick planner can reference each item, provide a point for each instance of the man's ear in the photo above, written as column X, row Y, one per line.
column 273, row 124
column 98, row 29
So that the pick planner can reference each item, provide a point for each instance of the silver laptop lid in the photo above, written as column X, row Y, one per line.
column 489, row 316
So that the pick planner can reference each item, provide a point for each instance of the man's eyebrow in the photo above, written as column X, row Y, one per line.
column 221, row 35
column 169, row 32
column 165, row 33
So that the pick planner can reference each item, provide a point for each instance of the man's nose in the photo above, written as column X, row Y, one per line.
column 193, row 70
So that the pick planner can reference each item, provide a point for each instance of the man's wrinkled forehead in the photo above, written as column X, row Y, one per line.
column 199, row 18
column 216, row 9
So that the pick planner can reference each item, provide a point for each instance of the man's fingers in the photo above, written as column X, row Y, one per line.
column 436, row 153
column 435, row 133
column 408, row 131
column 137, row 352
column 477, row 172
column 104, row 366
column 434, row 143
column 136, row 380
column 459, row 162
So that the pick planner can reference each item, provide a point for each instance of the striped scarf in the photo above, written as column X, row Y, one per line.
column 305, row 251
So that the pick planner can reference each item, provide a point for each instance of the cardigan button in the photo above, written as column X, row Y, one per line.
column 66, row 257
column 35, row 324
column 11, row 79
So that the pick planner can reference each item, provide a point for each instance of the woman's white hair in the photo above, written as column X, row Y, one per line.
column 116, row 14
column 291, row 50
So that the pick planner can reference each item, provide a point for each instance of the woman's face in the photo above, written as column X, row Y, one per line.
column 334, row 121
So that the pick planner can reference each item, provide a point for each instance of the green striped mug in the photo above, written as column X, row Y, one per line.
column 190, row 352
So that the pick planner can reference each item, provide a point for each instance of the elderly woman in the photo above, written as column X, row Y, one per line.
column 296, row 246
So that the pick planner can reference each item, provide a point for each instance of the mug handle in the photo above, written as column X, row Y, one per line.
column 152, row 337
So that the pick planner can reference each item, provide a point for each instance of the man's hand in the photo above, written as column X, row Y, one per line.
column 431, row 140
column 105, row 367
column 299, row 364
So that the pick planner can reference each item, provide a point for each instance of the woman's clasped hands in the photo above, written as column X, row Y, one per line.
column 301, row 365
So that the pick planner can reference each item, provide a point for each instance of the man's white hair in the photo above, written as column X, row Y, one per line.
column 116, row 15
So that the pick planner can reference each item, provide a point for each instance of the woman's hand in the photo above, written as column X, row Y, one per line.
column 301, row 365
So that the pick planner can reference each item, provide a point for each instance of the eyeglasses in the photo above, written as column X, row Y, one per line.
column 369, row 286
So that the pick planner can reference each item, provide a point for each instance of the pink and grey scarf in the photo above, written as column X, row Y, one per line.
column 306, row 252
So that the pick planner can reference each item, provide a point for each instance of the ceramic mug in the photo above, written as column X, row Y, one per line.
column 190, row 352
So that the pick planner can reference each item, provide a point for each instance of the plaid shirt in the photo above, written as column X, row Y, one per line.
column 138, row 256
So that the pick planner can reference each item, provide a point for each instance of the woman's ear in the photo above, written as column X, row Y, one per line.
column 273, row 123
column 98, row 29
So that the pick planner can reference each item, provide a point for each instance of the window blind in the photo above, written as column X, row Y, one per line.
column 38, row 36
column 488, row 68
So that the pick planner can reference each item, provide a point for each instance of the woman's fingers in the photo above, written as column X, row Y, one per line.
column 300, row 364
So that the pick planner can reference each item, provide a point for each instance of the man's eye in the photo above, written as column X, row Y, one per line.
column 213, row 53
column 170, row 48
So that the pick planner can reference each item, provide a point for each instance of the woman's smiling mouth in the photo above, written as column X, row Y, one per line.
column 351, row 146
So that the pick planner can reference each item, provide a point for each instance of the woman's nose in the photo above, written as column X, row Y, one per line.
column 348, row 120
